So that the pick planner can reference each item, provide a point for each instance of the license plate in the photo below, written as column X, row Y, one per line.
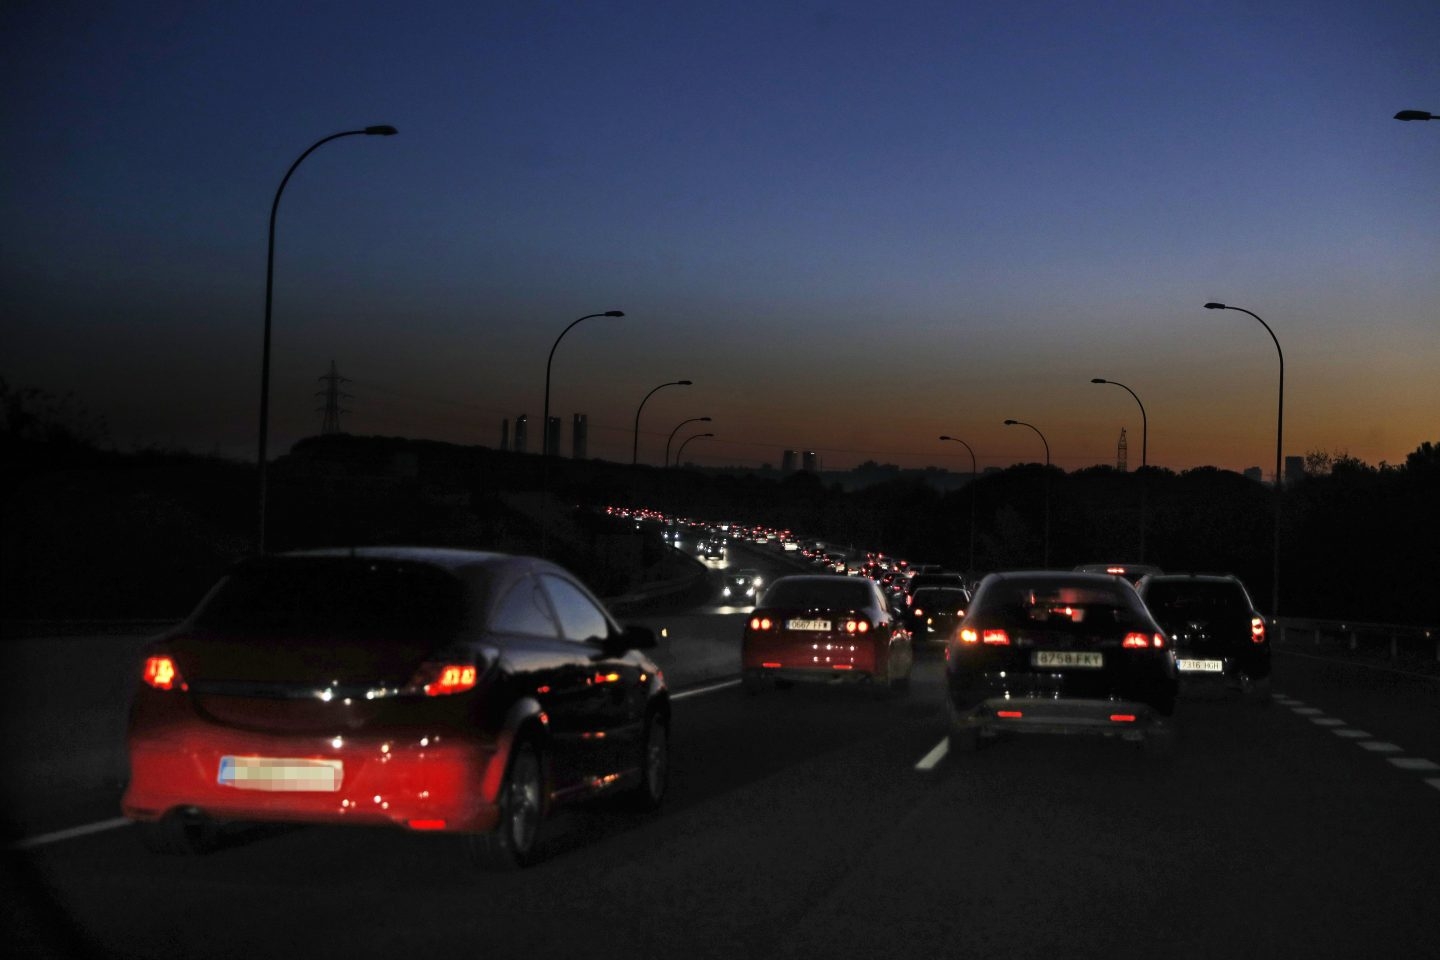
column 1068, row 658
column 281, row 774
column 1200, row 666
column 798, row 624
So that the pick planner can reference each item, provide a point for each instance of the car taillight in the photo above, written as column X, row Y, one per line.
column 162, row 674
column 1143, row 641
column 857, row 626
column 969, row 635
column 997, row 638
column 919, row 612
column 1257, row 629
column 1122, row 718
column 442, row 679
column 761, row 623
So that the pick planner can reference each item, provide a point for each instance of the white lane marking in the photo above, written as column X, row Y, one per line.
column 70, row 834
column 1434, row 782
column 936, row 754
column 1352, row 734
column 1327, row 721
column 1379, row 746
column 1415, row 763
column 710, row 689
column 1354, row 663
column 1287, row 702
column 1308, row 711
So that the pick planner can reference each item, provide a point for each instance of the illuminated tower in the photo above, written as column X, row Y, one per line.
column 1121, row 453
column 333, row 395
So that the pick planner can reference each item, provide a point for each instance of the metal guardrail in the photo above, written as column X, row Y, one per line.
column 1392, row 639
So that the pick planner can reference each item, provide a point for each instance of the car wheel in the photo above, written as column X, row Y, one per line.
column 511, row 845
column 654, row 765
column 179, row 834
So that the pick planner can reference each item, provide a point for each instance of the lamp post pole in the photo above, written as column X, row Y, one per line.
column 1010, row 423
column 1279, row 477
column 635, row 447
column 380, row 130
column 1144, row 455
column 677, row 430
column 974, row 475
column 545, row 433
column 681, row 451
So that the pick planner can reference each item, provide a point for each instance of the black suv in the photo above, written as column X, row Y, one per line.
column 1218, row 636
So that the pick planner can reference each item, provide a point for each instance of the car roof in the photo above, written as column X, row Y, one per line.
column 448, row 557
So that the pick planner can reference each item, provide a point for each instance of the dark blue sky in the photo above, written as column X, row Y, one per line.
column 855, row 226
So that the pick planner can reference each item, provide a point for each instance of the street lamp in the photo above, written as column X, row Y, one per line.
column 1415, row 115
column 677, row 430
column 1022, row 423
column 974, row 475
column 1144, row 454
column 635, row 449
column 681, row 451
column 382, row 130
column 1279, row 430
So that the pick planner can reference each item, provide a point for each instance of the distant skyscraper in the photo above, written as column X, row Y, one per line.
column 552, row 437
column 787, row 461
column 810, row 462
column 1255, row 473
column 522, row 428
column 505, row 433
column 1122, row 453
column 579, row 436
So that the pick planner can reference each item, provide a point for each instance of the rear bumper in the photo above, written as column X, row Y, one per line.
column 438, row 781
column 1128, row 719
column 818, row 657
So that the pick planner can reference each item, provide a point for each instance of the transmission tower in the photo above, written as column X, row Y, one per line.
column 333, row 395
column 1121, row 453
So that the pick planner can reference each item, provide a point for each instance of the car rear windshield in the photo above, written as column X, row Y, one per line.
column 1196, row 599
column 1054, row 604
column 832, row 594
column 351, row 597
column 941, row 597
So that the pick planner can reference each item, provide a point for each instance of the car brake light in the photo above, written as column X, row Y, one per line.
column 919, row 612
column 1010, row 714
column 426, row 824
column 969, row 635
column 1142, row 641
column 772, row 664
column 1122, row 717
column 162, row 674
column 1257, row 629
column 443, row 679
column 857, row 626
column 997, row 638
column 761, row 623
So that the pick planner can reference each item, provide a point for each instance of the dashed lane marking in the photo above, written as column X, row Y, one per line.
column 1379, row 746
column 1352, row 734
column 1434, row 782
column 710, row 689
column 936, row 754
column 1327, row 721
column 1415, row 763
column 70, row 834
column 1308, row 711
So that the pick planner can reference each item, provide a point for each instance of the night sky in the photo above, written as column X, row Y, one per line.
column 855, row 226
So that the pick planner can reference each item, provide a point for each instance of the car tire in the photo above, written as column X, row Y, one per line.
column 179, row 834
column 512, row 844
column 654, row 765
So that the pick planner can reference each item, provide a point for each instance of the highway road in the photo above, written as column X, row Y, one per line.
column 810, row 822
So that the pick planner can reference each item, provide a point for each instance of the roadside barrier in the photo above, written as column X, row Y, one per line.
column 1393, row 640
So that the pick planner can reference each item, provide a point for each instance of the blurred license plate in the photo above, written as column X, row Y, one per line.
column 1200, row 666
column 807, row 625
column 1068, row 658
column 281, row 774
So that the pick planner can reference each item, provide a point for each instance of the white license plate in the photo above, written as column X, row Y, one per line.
column 800, row 624
column 281, row 774
column 1200, row 666
column 1068, row 658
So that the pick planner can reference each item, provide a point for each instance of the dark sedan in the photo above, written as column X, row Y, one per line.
column 1049, row 652
column 1218, row 636
column 934, row 613
column 432, row 690
column 825, row 628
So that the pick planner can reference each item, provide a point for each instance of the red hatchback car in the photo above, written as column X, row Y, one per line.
column 825, row 628
column 436, row 690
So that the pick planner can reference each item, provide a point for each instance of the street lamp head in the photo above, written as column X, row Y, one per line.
column 613, row 313
column 703, row 419
column 1214, row 306
column 683, row 383
column 944, row 438
column 1098, row 380
column 1011, row 423
column 707, row 434
column 1414, row 115
column 381, row 130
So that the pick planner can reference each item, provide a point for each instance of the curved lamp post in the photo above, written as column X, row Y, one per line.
column 1415, row 115
column 974, row 475
column 681, row 451
column 1144, row 454
column 1279, row 431
column 381, row 130
column 1011, row 423
column 677, row 430
column 635, row 447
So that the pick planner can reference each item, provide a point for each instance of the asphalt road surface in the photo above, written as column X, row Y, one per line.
column 821, row 822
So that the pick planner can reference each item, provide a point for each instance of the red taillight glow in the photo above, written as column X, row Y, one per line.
column 1143, row 641
column 843, row 666
column 1010, row 714
column 1257, row 630
column 426, row 824
column 857, row 626
column 162, row 674
column 761, row 623
column 1122, row 717
column 919, row 612
column 969, row 635
column 997, row 638
column 771, row 664
column 443, row 679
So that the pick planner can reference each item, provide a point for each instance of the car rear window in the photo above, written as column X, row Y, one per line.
column 352, row 597
column 835, row 594
column 940, row 597
column 1192, row 599
column 1056, row 604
